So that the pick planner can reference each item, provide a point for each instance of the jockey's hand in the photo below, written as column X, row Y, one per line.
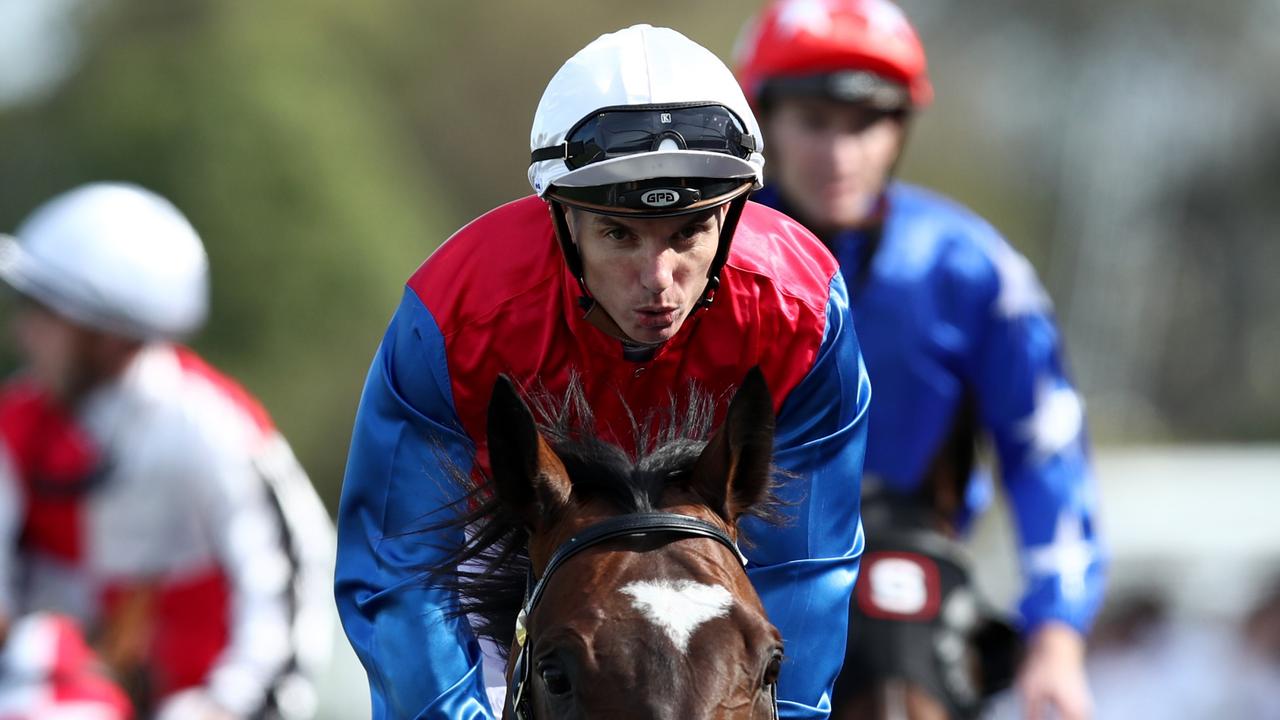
column 193, row 704
column 1052, row 675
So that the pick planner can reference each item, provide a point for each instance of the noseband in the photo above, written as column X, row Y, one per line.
column 636, row 524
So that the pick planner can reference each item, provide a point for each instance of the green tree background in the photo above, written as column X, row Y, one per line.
column 324, row 148
column 321, row 148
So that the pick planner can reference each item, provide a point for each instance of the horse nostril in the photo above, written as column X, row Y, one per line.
column 554, row 679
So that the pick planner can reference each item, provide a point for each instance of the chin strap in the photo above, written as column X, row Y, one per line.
column 727, row 229
column 560, row 223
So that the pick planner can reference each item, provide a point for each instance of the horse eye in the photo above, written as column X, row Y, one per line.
column 556, row 682
column 774, row 668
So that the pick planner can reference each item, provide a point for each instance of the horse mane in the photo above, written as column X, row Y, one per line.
column 489, row 569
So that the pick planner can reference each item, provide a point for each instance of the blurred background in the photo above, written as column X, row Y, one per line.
column 323, row 148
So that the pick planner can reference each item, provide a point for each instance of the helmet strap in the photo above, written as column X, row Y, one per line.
column 727, row 229
column 907, row 126
column 560, row 223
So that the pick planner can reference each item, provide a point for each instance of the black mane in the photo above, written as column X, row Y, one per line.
column 489, row 571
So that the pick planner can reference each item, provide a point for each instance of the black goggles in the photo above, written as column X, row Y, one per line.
column 619, row 131
column 851, row 86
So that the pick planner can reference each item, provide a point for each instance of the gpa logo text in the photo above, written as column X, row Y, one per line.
column 660, row 198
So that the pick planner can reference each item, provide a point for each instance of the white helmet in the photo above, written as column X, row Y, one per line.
column 114, row 257
column 644, row 104
column 645, row 122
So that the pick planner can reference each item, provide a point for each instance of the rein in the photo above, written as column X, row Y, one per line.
column 632, row 525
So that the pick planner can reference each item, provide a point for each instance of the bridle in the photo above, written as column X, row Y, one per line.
column 635, row 524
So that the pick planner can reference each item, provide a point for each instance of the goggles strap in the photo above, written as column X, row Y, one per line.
column 563, row 151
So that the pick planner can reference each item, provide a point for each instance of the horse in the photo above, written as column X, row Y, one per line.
column 922, row 645
column 616, row 581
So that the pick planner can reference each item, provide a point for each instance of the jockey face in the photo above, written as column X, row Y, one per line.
column 647, row 273
column 832, row 159
column 66, row 359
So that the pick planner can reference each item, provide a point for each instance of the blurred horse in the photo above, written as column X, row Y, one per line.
column 617, row 582
column 921, row 644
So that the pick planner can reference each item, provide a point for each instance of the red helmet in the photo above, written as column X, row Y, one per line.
column 863, row 50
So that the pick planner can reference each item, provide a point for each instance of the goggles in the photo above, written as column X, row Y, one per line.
column 851, row 86
column 627, row 130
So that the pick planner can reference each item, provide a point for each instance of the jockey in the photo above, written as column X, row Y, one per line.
column 640, row 267
column 958, row 334
column 147, row 495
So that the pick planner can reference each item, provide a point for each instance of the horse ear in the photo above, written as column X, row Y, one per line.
column 733, row 472
column 528, row 476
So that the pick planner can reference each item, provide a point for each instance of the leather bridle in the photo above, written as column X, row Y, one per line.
column 632, row 525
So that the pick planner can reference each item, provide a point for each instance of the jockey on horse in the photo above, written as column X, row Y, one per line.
column 638, row 269
column 142, row 492
column 959, row 338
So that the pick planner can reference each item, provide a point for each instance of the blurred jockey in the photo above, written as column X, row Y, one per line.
column 640, row 266
column 958, row 335
column 155, row 501
column 48, row 673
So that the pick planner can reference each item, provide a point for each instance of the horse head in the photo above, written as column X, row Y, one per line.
column 654, row 620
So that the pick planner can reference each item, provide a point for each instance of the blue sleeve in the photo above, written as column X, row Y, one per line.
column 1037, row 421
column 421, row 663
column 804, row 569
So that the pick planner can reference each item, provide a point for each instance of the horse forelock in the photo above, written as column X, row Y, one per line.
column 489, row 570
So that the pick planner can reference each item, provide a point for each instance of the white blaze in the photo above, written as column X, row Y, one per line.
column 678, row 607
